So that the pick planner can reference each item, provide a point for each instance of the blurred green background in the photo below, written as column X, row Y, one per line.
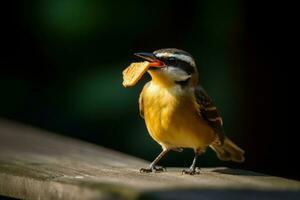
column 62, row 61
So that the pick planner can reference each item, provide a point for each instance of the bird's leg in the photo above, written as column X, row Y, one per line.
column 153, row 167
column 193, row 169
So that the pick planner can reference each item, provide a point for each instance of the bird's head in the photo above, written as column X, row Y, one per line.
column 171, row 66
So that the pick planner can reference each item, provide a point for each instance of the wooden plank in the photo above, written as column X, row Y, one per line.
column 36, row 164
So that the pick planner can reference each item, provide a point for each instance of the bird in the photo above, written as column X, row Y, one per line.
column 179, row 113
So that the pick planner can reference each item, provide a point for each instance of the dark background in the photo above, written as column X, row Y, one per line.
column 61, row 64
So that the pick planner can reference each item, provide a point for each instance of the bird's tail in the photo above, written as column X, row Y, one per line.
column 228, row 151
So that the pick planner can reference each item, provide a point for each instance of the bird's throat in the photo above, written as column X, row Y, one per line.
column 159, row 78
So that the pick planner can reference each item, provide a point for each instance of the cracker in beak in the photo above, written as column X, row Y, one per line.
column 133, row 73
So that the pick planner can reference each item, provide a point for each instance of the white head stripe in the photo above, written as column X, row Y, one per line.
column 182, row 57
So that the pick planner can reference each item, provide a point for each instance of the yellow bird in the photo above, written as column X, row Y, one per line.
column 179, row 113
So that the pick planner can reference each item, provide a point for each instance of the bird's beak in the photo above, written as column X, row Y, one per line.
column 154, row 61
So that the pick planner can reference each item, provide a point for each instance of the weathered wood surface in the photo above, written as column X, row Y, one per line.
column 35, row 164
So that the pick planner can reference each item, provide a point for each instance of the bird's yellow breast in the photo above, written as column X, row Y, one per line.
column 172, row 118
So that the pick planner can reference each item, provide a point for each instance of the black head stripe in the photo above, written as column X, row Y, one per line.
column 179, row 64
column 186, row 67
column 166, row 57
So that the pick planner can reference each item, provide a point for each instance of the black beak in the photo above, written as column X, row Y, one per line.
column 154, row 61
column 147, row 56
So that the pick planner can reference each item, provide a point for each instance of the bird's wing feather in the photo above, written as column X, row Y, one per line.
column 209, row 112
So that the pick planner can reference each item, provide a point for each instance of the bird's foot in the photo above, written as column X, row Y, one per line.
column 155, row 169
column 191, row 171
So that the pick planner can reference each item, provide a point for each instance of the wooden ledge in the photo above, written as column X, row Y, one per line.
column 36, row 164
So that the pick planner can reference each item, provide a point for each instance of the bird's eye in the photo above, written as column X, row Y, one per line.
column 172, row 61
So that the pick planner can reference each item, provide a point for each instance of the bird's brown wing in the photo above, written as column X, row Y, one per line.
column 209, row 112
column 141, row 102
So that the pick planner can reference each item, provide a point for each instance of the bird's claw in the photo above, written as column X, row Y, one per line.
column 191, row 171
column 155, row 169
